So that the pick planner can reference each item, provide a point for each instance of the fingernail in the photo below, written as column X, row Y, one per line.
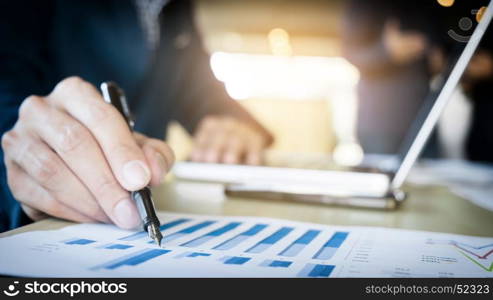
column 126, row 214
column 163, row 166
column 136, row 173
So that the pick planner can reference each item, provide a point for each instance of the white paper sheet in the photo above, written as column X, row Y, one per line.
column 469, row 180
column 214, row 246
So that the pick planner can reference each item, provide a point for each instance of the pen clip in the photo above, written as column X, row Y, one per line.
column 115, row 96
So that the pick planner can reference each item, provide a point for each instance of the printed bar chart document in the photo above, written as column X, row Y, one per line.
column 215, row 246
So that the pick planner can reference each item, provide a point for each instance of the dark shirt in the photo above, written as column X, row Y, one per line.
column 43, row 42
column 390, row 95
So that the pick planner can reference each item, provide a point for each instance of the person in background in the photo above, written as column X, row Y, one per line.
column 478, row 86
column 388, row 42
column 65, row 152
column 398, row 48
column 478, row 83
column 471, row 138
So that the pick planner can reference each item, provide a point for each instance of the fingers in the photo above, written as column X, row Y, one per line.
column 225, row 140
column 109, row 129
column 38, row 161
column 254, row 154
column 35, row 199
column 212, row 149
column 204, row 139
column 78, row 149
column 159, row 157
column 32, row 213
column 212, row 141
column 77, row 159
column 233, row 151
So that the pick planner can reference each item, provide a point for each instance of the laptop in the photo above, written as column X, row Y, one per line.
column 362, row 187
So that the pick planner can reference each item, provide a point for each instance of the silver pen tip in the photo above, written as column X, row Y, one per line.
column 155, row 234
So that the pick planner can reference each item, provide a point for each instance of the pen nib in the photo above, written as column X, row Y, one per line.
column 155, row 234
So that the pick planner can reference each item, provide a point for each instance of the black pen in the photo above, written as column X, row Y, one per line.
column 115, row 96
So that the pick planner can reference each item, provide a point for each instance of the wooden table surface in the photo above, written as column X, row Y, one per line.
column 427, row 208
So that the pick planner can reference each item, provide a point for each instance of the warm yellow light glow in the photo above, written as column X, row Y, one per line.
column 446, row 3
column 348, row 154
column 279, row 42
column 283, row 77
column 480, row 13
column 298, row 78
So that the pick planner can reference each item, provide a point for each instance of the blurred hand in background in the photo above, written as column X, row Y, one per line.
column 224, row 139
column 402, row 46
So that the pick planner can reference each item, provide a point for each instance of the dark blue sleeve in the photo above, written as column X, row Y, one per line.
column 24, row 61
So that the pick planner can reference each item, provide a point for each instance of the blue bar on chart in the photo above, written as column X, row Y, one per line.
column 143, row 234
column 276, row 263
column 133, row 259
column 207, row 237
column 316, row 270
column 116, row 246
column 330, row 247
column 300, row 243
column 269, row 241
column 78, row 241
column 236, row 240
column 193, row 254
column 186, row 231
column 234, row 260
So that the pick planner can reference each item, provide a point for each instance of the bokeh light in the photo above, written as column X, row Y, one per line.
column 282, row 77
column 446, row 3
column 480, row 13
column 279, row 42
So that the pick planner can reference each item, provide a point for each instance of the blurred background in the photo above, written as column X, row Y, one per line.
column 288, row 63
column 280, row 59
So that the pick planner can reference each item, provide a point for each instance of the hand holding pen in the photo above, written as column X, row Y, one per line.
column 115, row 96
column 71, row 155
